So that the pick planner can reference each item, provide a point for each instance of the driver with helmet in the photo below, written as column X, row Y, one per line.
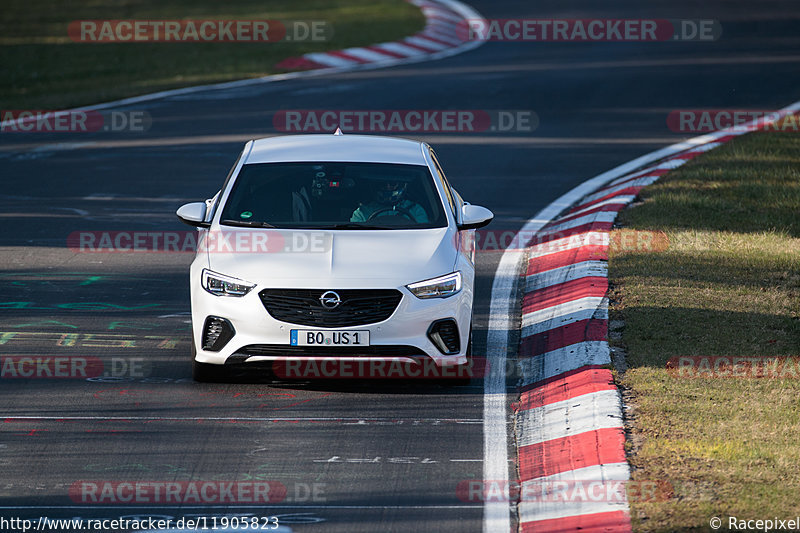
column 389, row 200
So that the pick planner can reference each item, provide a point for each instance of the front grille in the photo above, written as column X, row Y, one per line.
column 358, row 306
column 285, row 350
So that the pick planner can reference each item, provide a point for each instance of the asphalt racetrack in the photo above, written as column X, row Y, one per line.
column 353, row 457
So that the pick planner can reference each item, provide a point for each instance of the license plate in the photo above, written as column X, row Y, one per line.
column 310, row 337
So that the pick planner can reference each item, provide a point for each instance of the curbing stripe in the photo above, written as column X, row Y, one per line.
column 569, row 291
column 569, row 272
column 439, row 38
column 549, row 365
column 584, row 313
column 400, row 48
column 604, row 472
column 535, row 321
column 593, row 523
column 605, row 195
column 329, row 60
column 590, row 448
column 365, row 54
column 602, row 216
column 425, row 42
column 613, row 191
column 588, row 329
column 568, row 385
column 547, row 236
column 441, row 34
column 379, row 50
column 613, row 204
column 624, row 191
column 569, row 415
column 567, row 258
column 595, row 238
column 344, row 54
column 582, row 414
column 549, row 510
column 429, row 36
column 424, row 47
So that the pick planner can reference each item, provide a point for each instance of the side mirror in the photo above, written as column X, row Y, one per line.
column 474, row 217
column 193, row 214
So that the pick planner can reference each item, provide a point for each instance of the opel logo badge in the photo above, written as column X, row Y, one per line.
column 330, row 300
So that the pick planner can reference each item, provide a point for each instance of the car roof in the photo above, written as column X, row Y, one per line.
column 346, row 147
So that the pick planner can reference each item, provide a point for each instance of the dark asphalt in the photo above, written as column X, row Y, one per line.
column 380, row 456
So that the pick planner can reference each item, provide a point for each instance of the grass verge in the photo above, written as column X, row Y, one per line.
column 728, row 285
column 44, row 69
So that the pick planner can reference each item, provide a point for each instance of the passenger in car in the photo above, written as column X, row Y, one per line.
column 389, row 200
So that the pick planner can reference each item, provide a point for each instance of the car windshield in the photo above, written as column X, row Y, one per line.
column 334, row 195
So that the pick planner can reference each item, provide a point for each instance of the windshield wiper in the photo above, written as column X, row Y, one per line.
column 246, row 223
column 353, row 225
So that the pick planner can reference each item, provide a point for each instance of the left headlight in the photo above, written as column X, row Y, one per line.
column 221, row 285
column 441, row 287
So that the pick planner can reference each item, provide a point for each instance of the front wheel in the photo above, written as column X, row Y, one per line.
column 465, row 369
column 205, row 372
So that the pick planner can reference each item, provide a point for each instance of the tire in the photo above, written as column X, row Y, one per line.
column 463, row 382
column 204, row 372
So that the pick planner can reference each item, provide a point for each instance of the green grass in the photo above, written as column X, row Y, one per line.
column 43, row 69
column 729, row 284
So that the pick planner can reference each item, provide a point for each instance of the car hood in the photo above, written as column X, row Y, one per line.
column 336, row 259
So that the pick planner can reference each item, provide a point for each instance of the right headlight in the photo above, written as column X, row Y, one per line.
column 221, row 285
column 441, row 287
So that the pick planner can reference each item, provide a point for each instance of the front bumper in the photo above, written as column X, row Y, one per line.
column 259, row 337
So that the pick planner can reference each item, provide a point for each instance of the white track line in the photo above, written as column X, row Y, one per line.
column 349, row 420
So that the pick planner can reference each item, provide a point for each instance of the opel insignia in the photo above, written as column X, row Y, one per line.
column 343, row 247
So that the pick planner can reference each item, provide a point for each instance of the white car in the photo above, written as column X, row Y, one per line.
column 346, row 247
